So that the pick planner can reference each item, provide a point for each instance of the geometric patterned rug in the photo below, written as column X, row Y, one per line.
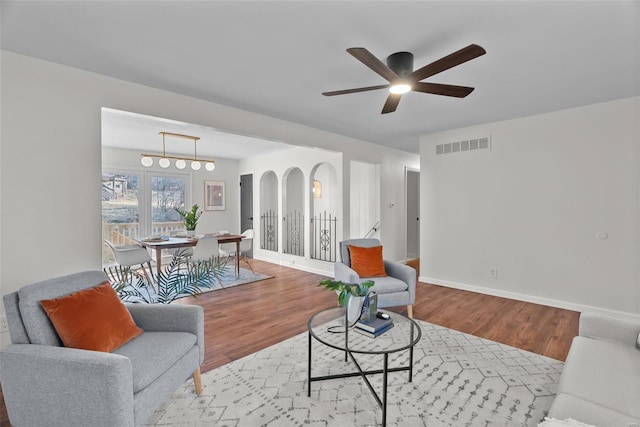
column 458, row 380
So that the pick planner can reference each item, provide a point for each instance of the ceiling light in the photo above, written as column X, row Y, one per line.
column 400, row 88
column 181, row 162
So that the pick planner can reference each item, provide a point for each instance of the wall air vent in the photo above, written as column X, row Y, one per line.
column 466, row 145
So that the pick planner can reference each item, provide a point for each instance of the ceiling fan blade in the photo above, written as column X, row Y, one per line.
column 367, row 58
column 392, row 103
column 440, row 89
column 456, row 58
column 360, row 89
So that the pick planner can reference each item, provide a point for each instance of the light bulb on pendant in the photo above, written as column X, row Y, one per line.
column 210, row 166
column 181, row 164
column 164, row 163
column 146, row 161
column 195, row 166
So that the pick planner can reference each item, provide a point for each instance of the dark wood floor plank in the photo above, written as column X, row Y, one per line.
column 244, row 319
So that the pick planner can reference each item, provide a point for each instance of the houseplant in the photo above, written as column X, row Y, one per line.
column 350, row 294
column 172, row 283
column 190, row 218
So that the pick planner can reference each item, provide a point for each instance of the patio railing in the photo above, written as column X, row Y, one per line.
column 125, row 233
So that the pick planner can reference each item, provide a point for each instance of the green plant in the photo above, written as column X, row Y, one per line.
column 190, row 217
column 172, row 283
column 347, row 289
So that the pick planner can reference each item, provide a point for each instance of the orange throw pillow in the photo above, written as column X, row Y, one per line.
column 92, row 319
column 367, row 262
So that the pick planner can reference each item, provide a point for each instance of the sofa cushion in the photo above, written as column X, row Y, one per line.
column 367, row 262
column 603, row 372
column 36, row 322
column 567, row 406
column 153, row 353
column 386, row 285
column 92, row 319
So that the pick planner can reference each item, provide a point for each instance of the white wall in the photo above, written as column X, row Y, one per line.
column 226, row 170
column 532, row 207
column 51, row 161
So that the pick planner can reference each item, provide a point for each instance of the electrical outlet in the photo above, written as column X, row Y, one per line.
column 4, row 326
column 493, row 273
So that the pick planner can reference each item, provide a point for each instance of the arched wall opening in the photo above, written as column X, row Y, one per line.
column 324, row 208
column 269, row 211
column 293, row 212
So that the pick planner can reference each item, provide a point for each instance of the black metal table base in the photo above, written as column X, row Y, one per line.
column 385, row 371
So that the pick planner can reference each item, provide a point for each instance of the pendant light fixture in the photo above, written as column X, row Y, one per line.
column 180, row 162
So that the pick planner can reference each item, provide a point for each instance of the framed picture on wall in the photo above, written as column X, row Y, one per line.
column 214, row 196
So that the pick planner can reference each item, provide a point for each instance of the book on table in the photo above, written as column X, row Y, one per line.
column 374, row 325
column 374, row 334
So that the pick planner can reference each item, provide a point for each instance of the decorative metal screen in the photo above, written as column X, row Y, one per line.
column 269, row 226
column 323, row 237
column 293, row 233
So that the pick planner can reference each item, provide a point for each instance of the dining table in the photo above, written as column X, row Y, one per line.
column 175, row 242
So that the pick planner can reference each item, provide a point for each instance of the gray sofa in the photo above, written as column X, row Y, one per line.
column 600, row 382
column 46, row 384
column 398, row 288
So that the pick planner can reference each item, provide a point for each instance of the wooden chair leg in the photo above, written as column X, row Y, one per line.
column 150, row 279
column 197, row 382
column 410, row 311
column 244, row 258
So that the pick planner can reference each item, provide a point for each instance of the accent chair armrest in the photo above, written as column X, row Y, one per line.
column 345, row 274
column 78, row 387
column 619, row 331
column 170, row 318
column 406, row 274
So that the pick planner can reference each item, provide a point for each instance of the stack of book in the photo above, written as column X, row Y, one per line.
column 373, row 328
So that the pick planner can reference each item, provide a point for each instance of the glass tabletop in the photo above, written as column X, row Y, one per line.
column 327, row 327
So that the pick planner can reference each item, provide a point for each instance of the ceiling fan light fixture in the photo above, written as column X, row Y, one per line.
column 400, row 88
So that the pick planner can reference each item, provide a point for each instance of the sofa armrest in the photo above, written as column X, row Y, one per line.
column 170, row 318
column 345, row 274
column 45, row 385
column 406, row 274
column 619, row 331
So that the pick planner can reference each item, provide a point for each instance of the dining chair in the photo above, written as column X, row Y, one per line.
column 229, row 249
column 207, row 252
column 133, row 255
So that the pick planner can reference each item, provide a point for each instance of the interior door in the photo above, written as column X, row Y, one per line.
column 246, row 204
column 413, row 213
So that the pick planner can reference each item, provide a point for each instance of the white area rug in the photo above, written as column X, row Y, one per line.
column 458, row 380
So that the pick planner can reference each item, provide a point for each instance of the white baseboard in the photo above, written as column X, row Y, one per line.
column 530, row 298
column 300, row 265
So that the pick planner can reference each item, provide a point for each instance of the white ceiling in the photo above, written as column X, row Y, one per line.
column 276, row 58
column 122, row 129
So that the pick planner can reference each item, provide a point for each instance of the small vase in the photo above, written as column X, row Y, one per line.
column 190, row 233
column 354, row 309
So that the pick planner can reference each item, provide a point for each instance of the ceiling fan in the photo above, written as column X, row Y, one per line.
column 402, row 78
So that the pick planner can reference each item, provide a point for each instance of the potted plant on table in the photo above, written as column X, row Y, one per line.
column 351, row 295
column 190, row 219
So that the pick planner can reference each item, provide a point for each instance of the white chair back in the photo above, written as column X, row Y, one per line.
column 247, row 242
column 206, row 248
column 129, row 255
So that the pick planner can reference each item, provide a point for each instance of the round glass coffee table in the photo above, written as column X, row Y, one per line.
column 327, row 327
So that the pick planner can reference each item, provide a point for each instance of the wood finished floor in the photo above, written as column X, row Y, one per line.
column 246, row 318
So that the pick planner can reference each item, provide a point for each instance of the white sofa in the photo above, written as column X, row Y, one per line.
column 600, row 382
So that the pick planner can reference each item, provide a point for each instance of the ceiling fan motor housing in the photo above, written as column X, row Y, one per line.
column 401, row 63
